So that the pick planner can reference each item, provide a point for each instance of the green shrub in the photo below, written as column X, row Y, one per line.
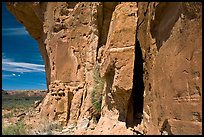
column 17, row 101
column 15, row 129
column 8, row 115
column 96, row 95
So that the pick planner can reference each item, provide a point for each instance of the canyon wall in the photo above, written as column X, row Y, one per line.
column 119, row 67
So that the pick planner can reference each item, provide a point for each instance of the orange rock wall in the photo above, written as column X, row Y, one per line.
column 148, row 53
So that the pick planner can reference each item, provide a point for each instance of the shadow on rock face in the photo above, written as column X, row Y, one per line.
column 136, row 103
column 166, row 15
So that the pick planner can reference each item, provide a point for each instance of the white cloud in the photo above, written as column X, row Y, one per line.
column 14, row 31
column 12, row 66
column 9, row 75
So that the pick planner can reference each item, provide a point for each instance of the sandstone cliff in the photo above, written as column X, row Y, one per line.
column 119, row 67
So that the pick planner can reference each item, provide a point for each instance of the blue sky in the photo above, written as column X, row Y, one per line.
column 22, row 64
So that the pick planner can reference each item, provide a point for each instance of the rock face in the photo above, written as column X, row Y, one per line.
column 147, row 53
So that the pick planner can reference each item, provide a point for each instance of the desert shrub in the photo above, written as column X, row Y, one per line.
column 46, row 128
column 8, row 115
column 97, row 92
column 54, row 126
column 15, row 129
column 14, row 101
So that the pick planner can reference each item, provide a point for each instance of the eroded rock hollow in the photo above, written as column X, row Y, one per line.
column 119, row 67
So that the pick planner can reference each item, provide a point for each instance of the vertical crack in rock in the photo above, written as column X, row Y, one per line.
column 109, row 81
column 69, row 98
column 138, row 84
column 136, row 102
column 104, row 20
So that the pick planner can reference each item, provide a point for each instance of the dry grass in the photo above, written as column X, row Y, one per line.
column 19, row 100
column 97, row 93
column 46, row 128
column 14, row 104
column 18, row 128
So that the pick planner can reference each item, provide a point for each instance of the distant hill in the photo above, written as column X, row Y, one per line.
column 4, row 92
column 24, row 92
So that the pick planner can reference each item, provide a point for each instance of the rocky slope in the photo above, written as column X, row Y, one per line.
column 146, row 57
